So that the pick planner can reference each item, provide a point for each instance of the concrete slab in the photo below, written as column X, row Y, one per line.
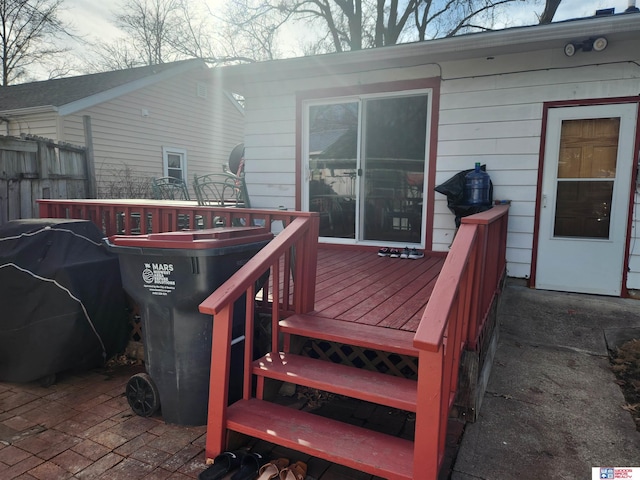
column 566, row 319
column 552, row 408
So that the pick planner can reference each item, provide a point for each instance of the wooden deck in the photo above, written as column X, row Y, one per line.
column 347, row 296
column 359, row 286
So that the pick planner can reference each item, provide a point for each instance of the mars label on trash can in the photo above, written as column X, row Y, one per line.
column 157, row 278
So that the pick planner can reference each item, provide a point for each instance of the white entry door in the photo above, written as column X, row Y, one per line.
column 584, row 208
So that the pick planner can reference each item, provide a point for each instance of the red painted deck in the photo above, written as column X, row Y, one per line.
column 359, row 286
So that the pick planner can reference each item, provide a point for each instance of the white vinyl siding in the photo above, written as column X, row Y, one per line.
column 495, row 119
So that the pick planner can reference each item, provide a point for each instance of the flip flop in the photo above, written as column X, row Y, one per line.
column 272, row 469
column 296, row 471
column 250, row 466
column 223, row 464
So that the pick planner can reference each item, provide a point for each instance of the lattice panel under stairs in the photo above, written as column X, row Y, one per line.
column 377, row 361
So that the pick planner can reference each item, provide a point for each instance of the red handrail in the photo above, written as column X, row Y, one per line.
column 467, row 285
column 300, row 236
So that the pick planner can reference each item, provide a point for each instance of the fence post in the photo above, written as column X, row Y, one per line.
column 90, row 165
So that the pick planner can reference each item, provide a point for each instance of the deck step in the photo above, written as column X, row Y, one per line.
column 357, row 334
column 353, row 382
column 355, row 447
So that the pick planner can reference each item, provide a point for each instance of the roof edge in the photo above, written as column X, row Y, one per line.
column 92, row 100
column 29, row 110
column 512, row 40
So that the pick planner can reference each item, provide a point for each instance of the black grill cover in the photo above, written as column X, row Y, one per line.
column 61, row 299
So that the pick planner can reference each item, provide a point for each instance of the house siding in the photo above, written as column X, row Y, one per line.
column 44, row 125
column 490, row 112
column 207, row 128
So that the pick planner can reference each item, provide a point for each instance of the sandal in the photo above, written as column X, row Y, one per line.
column 250, row 466
column 272, row 469
column 223, row 464
column 296, row 471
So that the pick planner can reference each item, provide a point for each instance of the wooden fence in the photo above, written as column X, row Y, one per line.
column 32, row 168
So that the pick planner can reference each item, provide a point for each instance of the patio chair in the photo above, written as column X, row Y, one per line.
column 221, row 189
column 169, row 188
column 238, row 178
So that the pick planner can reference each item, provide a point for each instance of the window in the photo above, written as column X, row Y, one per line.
column 175, row 162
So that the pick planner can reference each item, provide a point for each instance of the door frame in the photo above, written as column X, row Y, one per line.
column 541, row 162
column 432, row 84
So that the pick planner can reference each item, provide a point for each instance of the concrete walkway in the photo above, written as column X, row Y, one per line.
column 552, row 408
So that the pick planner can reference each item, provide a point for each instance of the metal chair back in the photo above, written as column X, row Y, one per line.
column 169, row 188
column 222, row 189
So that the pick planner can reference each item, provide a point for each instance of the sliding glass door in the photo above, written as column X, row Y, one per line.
column 365, row 167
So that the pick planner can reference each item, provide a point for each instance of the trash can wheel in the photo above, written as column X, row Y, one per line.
column 142, row 395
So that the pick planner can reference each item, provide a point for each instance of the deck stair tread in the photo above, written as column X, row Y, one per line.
column 357, row 334
column 345, row 380
column 337, row 442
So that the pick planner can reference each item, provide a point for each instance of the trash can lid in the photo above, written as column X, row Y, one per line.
column 195, row 239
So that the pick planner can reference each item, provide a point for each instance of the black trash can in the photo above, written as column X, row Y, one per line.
column 169, row 275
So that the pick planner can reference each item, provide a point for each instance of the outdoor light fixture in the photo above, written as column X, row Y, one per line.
column 597, row 44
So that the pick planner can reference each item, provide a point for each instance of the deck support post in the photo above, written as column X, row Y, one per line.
column 426, row 458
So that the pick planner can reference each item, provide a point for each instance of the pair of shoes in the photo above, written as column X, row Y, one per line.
column 389, row 252
column 272, row 469
column 412, row 253
column 295, row 471
column 407, row 252
column 248, row 465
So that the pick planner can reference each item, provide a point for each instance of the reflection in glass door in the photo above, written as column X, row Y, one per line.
column 366, row 167
column 393, row 161
column 333, row 165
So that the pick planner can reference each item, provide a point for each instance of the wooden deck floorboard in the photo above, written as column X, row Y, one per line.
column 361, row 287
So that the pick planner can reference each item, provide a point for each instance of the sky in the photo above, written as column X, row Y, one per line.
column 92, row 19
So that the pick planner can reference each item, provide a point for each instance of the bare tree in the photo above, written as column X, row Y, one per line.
column 341, row 25
column 150, row 25
column 550, row 9
column 116, row 55
column 28, row 32
column 251, row 31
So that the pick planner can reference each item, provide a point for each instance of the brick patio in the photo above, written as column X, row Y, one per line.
column 82, row 428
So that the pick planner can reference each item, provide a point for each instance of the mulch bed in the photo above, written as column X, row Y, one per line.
column 625, row 363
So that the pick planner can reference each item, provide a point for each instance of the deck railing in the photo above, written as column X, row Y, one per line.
column 140, row 216
column 467, row 285
column 293, row 253
column 124, row 217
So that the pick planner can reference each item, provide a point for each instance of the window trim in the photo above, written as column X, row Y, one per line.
column 182, row 152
